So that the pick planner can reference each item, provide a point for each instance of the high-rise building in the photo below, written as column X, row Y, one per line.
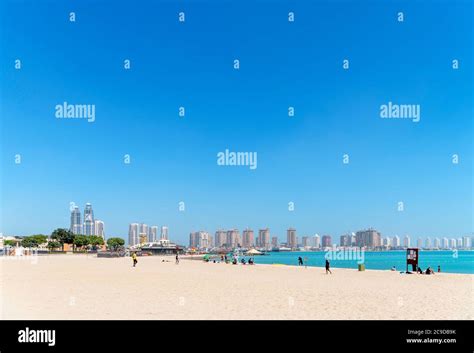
column 233, row 238
column 143, row 233
column 291, row 239
column 89, row 220
column 368, row 238
column 445, row 243
column 275, row 242
column 317, row 241
column 247, row 238
column 428, row 243
column 419, row 243
column 326, row 241
column 386, row 242
column 305, row 241
column 164, row 233
column 76, row 223
column 133, row 231
column 396, row 241
column 466, row 242
column 204, row 240
column 459, row 243
column 345, row 240
column 406, row 241
column 437, row 243
column 99, row 228
column 153, row 234
column 264, row 238
column 194, row 239
column 220, row 238
column 452, row 243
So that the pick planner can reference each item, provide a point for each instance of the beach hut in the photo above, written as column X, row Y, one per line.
column 253, row 252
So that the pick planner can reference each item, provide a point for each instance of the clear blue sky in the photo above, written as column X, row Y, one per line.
column 282, row 64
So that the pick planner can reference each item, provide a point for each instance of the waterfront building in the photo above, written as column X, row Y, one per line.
column 89, row 223
column 76, row 223
column 291, row 238
column 326, row 241
column 369, row 238
column 264, row 238
column 248, row 238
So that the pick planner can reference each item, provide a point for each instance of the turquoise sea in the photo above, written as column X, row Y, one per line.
column 461, row 261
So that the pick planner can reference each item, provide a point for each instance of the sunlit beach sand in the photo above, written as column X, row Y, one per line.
column 87, row 287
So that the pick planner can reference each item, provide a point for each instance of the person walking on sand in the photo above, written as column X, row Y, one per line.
column 134, row 258
column 439, row 268
column 177, row 259
column 328, row 267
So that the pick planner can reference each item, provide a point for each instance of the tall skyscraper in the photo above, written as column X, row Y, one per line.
column 76, row 223
column 164, row 233
column 396, row 241
column 406, row 241
column 153, row 234
column 99, row 228
column 428, row 243
column 326, row 241
column 452, row 243
column 143, row 233
column 247, row 238
column 89, row 223
column 466, row 242
column 419, row 243
column 220, row 238
column 291, row 239
column 437, row 243
column 275, row 242
column 233, row 238
column 317, row 241
column 194, row 240
column 345, row 240
column 305, row 241
column 264, row 238
column 133, row 231
column 445, row 243
column 368, row 238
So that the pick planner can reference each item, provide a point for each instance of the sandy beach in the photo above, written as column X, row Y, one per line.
column 87, row 287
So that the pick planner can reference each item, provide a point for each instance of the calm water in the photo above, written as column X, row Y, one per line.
column 450, row 261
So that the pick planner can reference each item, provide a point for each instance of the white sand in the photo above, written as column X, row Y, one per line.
column 87, row 287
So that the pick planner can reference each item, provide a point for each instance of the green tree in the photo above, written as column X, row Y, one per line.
column 9, row 243
column 53, row 245
column 64, row 236
column 33, row 241
column 81, row 240
column 115, row 243
column 95, row 241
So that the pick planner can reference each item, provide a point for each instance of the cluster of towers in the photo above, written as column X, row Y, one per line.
column 88, row 226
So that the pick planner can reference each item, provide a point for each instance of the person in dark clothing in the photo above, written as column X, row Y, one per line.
column 177, row 259
column 328, row 269
column 300, row 261
column 439, row 268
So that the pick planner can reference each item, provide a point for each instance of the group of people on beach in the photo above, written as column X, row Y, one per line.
column 135, row 260
column 224, row 259
column 429, row 270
